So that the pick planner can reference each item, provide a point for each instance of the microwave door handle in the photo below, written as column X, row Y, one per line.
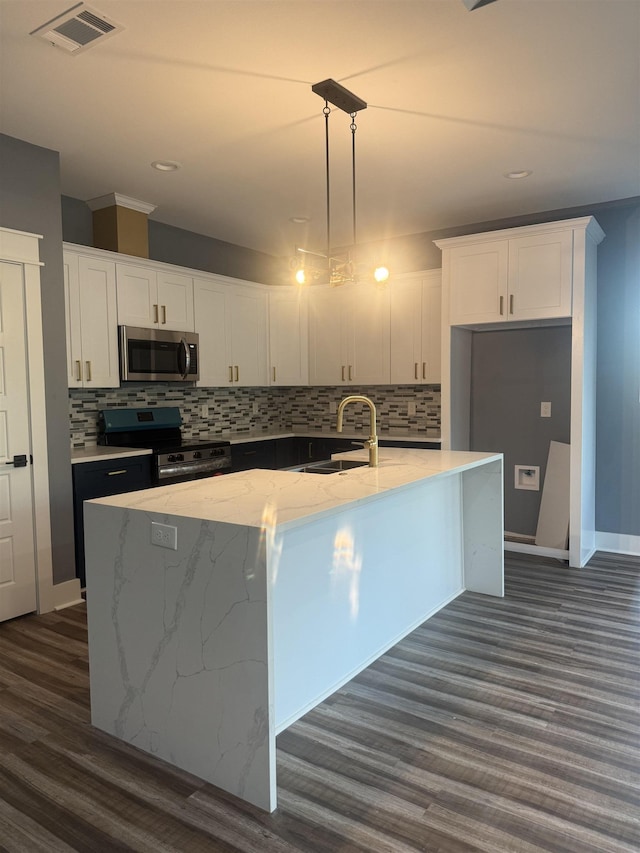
column 187, row 359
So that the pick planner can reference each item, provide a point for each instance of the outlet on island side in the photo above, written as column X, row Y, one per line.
column 164, row 535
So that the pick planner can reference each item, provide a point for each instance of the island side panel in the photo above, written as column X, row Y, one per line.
column 348, row 587
column 483, row 524
column 179, row 646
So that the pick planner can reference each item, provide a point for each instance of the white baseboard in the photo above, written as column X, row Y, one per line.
column 67, row 594
column 618, row 543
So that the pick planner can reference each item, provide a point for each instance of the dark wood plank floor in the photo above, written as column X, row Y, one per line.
column 500, row 725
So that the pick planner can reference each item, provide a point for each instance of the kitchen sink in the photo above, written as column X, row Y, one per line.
column 332, row 466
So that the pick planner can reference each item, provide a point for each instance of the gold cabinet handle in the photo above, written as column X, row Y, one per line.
column 237, row 371
column 164, row 315
column 511, row 304
column 501, row 305
column 310, row 450
column 415, row 370
column 79, row 370
column 343, row 372
column 230, row 373
column 274, row 374
column 155, row 314
column 88, row 363
column 350, row 376
column 114, row 473
column 424, row 369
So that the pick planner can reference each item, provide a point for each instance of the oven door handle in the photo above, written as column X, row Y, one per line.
column 187, row 358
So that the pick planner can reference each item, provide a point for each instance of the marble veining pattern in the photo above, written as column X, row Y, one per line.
column 192, row 685
column 241, row 498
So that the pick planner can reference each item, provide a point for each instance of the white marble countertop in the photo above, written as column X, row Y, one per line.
column 283, row 499
column 95, row 453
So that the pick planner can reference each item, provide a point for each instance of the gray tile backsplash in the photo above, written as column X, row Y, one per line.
column 256, row 410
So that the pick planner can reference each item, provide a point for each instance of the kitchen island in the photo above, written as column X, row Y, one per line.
column 281, row 587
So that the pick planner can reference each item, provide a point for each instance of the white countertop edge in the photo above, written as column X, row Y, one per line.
column 100, row 453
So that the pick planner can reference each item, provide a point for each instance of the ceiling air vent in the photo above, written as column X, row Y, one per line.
column 77, row 29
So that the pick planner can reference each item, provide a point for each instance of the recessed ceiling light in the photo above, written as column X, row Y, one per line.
column 166, row 165
column 520, row 173
column 299, row 220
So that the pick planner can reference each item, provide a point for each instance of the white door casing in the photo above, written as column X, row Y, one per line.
column 17, row 551
column 21, row 252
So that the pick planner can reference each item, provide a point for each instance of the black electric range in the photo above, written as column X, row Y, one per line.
column 175, row 458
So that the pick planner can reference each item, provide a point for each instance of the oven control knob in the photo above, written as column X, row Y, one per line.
column 197, row 454
column 171, row 458
column 179, row 457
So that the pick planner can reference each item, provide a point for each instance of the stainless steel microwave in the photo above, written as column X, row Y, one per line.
column 158, row 355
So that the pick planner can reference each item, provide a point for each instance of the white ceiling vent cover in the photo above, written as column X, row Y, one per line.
column 77, row 29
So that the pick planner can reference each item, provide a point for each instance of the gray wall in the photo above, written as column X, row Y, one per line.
column 177, row 246
column 512, row 372
column 30, row 201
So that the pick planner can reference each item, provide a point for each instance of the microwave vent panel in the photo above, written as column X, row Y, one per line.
column 77, row 29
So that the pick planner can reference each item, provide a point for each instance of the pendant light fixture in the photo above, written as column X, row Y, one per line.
column 328, row 267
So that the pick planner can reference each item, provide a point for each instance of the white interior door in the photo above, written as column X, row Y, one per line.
column 17, row 551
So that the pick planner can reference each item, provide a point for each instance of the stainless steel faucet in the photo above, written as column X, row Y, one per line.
column 372, row 441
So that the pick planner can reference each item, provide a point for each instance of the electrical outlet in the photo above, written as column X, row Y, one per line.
column 204, row 411
column 256, row 407
column 164, row 535
column 527, row 477
column 333, row 408
column 411, row 409
column 545, row 410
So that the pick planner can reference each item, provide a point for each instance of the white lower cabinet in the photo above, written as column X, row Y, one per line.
column 92, row 322
column 231, row 320
column 288, row 336
column 349, row 335
column 416, row 328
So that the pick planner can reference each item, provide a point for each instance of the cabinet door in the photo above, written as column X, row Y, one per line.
column 72, row 318
column 368, row 343
column 213, row 323
column 99, row 323
column 478, row 283
column 249, row 336
column 288, row 337
column 406, row 331
column 430, row 366
column 91, row 320
column 327, row 337
column 540, row 273
column 175, row 302
column 137, row 290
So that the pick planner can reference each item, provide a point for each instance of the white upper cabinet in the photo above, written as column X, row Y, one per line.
column 231, row 320
column 288, row 336
column 92, row 323
column 493, row 278
column 416, row 328
column 154, row 299
column 349, row 335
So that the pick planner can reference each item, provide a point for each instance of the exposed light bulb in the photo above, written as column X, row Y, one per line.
column 300, row 276
column 380, row 275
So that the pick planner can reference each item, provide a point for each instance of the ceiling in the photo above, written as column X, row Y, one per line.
column 455, row 100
